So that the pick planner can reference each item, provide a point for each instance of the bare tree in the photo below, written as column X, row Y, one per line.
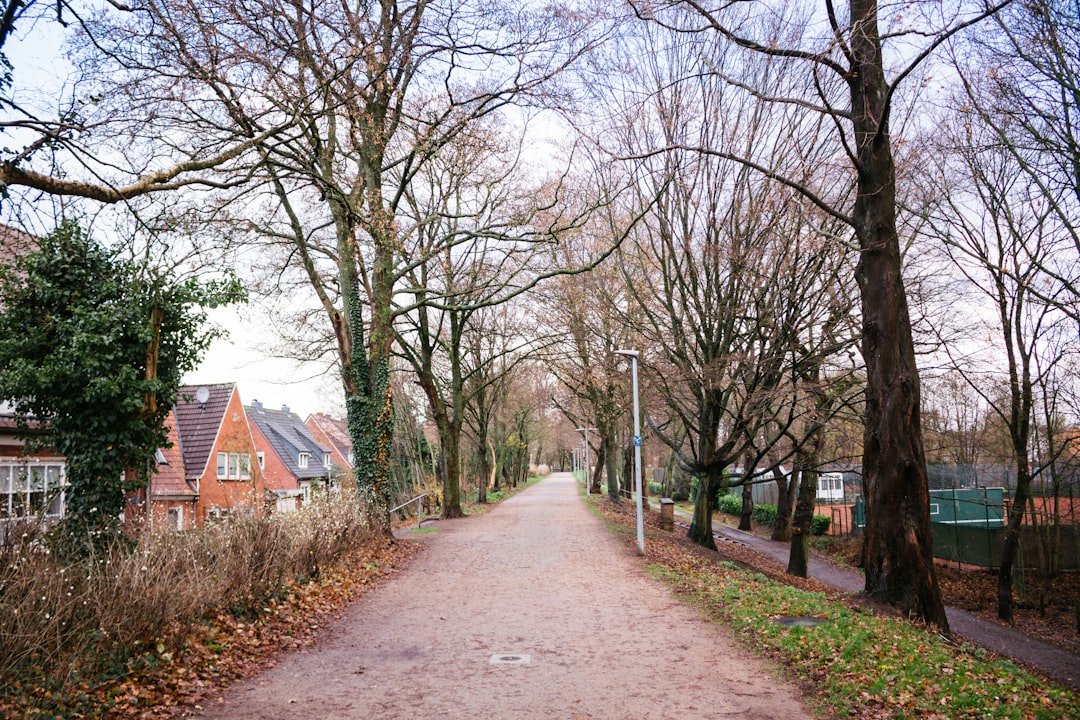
column 843, row 59
column 324, row 116
column 727, row 266
column 583, row 314
column 1020, row 79
column 1000, row 238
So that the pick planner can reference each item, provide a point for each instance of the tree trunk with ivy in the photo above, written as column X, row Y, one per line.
column 369, row 398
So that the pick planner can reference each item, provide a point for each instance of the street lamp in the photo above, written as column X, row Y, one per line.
column 587, row 468
column 633, row 355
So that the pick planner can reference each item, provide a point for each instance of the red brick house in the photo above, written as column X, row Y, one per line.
column 293, row 463
column 174, row 499
column 332, row 433
column 218, row 454
column 31, row 483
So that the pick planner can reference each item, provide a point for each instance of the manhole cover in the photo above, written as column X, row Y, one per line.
column 798, row 621
column 510, row 659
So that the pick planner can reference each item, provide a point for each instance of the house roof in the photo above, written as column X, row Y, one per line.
column 198, row 423
column 170, row 478
column 15, row 242
column 288, row 437
column 335, row 430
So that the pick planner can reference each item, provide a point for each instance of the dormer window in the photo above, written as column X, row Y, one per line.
column 305, row 458
column 159, row 457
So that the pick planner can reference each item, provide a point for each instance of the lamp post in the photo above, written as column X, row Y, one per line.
column 633, row 355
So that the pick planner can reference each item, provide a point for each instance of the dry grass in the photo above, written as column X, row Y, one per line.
column 64, row 625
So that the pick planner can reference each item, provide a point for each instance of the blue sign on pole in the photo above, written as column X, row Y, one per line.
column 637, row 441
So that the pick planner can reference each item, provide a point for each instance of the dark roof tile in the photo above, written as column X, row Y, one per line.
column 198, row 423
column 288, row 437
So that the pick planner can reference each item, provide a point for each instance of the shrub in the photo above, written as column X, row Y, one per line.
column 820, row 525
column 71, row 623
column 730, row 504
column 765, row 514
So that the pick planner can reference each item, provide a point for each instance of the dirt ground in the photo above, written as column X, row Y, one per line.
column 529, row 611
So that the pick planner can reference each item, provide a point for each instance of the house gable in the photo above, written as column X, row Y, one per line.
column 289, row 440
column 239, row 488
column 334, row 434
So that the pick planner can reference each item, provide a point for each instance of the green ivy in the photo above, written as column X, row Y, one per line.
column 75, row 333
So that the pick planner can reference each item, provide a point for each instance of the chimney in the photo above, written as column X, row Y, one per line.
column 256, row 405
column 284, row 408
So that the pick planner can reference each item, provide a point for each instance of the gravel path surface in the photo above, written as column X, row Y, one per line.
column 529, row 611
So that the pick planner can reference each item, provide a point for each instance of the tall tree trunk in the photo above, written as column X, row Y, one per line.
column 1012, row 540
column 785, row 498
column 806, row 463
column 451, row 448
column 701, row 527
column 608, row 451
column 598, row 469
column 747, row 515
column 897, row 550
column 481, row 473
column 369, row 411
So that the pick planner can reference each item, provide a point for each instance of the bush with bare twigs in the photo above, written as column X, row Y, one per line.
column 67, row 623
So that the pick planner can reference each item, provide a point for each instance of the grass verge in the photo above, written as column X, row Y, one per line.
column 858, row 662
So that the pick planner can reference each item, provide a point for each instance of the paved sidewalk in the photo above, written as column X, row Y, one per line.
column 531, row 610
column 1054, row 662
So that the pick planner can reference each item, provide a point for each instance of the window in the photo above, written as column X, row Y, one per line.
column 261, row 457
column 233, row 466
column 326, row 460
column 174, row 518
column 159, row 457
column 305, row 457
column 32, row 488
column 216, row 514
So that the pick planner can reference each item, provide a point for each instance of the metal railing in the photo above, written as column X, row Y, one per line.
column 417, row 499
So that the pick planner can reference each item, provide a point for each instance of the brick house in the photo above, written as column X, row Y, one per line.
column 218, row 454
column 333, row 433
column 31, row 483
column 293, row 463
column 174, row 499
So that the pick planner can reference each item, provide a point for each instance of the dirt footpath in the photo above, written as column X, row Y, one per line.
column 529, row 611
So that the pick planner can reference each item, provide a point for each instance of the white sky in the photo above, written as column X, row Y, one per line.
column 273, row 381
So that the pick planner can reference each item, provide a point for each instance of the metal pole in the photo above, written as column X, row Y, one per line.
column 633, row 355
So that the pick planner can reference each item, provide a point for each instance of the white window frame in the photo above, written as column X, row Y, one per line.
column 25, row 486
column 261, row 458
column 233, row 466
column 303, row 460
